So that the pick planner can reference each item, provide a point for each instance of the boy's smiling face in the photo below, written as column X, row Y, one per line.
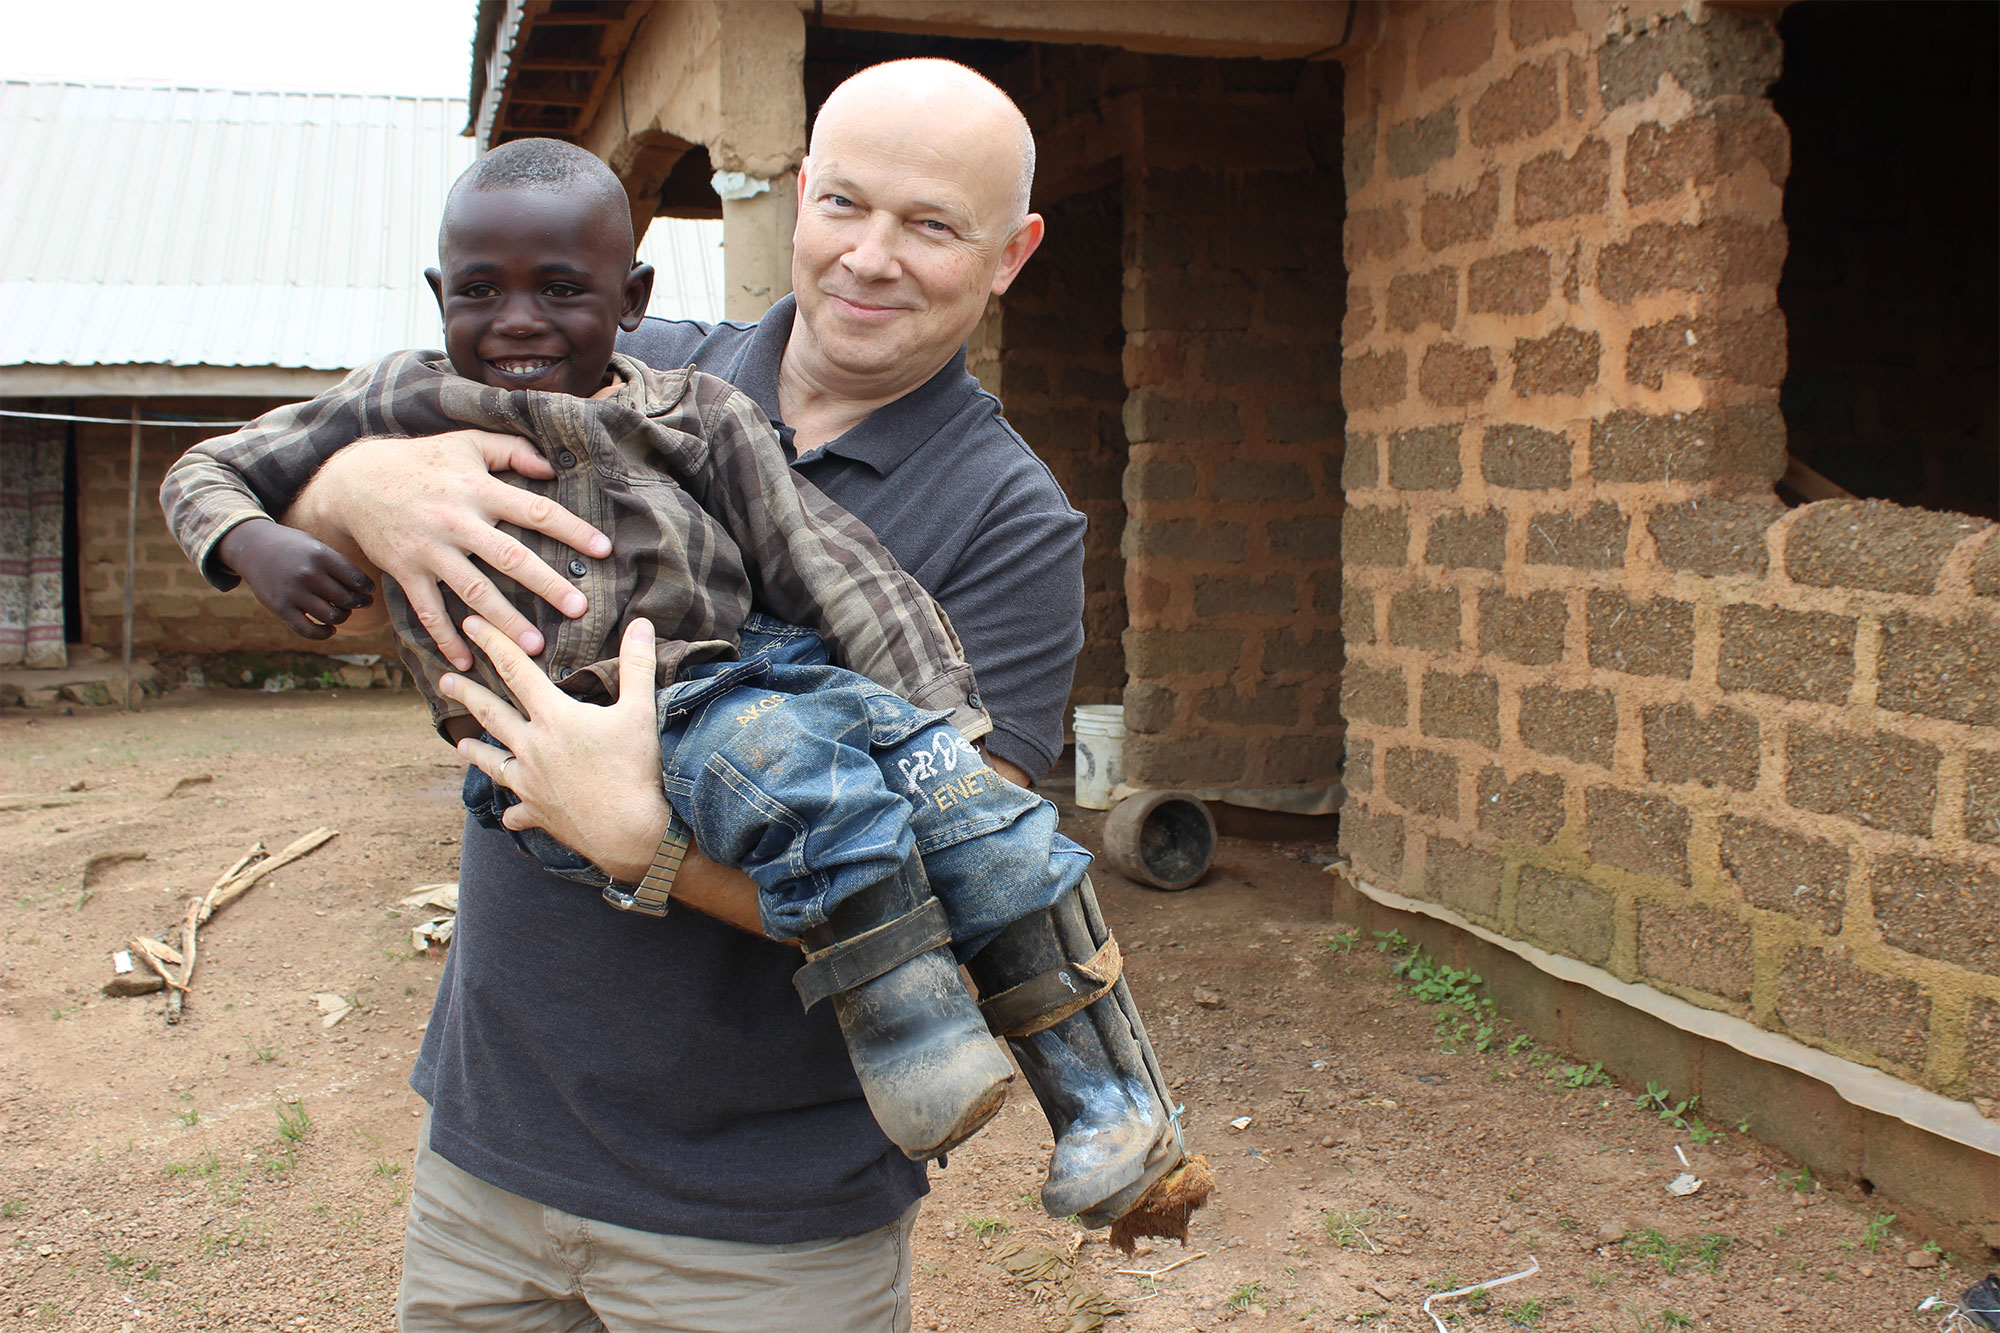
column 534, row 286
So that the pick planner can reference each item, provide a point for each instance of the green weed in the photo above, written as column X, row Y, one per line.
column 190, row 1117
column 986, row 1228
column 1342, row 941
column 293, row 1121
column 1800, row 1180
column 1350, row 1229
column 1876, row 1231
column 1245, row 1296
column 1661, row 1102
column 1648, row 1243
column 1582, row 1076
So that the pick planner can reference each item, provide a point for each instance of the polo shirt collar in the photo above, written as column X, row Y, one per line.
column 890, row 434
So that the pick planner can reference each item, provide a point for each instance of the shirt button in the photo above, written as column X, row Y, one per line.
column 577, row 568
column 564, row 673
column 566, row 458
column 973, row 700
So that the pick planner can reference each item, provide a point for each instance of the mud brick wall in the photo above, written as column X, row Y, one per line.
column 1604, row 695
column 1890, row 290
column 1234, row 295
column 1192, row 283
column 174, row 609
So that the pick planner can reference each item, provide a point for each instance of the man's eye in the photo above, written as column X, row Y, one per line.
column 933, row 225
column 563, row 289
column 478, row 291
column 840, row 201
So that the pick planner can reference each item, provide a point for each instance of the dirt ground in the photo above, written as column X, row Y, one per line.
column 248, row 1169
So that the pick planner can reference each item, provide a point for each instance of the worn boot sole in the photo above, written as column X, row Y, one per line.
column 1099, row 1197
column 932, row 1073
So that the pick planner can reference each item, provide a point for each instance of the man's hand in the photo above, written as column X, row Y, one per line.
column 299, row 579
column 588, row 774
column 422, row 510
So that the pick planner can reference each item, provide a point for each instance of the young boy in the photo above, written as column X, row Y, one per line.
column 823, row 785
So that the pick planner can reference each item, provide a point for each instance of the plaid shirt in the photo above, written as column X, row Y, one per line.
column 685, row 475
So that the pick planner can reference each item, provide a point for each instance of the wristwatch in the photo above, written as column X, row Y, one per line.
column 649, row 896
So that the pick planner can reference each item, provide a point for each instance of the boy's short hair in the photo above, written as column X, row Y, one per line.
column 549, row 166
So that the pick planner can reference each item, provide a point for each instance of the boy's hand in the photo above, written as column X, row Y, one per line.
column 422, row 510
column 299, row 579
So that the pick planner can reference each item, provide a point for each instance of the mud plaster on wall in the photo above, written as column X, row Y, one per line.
column 1868, row 1088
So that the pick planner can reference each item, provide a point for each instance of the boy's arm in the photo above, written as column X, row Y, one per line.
column 299, row 579
column 256, row 471
column 816, row 564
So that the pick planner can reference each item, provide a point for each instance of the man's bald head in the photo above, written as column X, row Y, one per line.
column 937, row 93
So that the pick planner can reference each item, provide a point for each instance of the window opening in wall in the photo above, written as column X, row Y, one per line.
column 1890, row 290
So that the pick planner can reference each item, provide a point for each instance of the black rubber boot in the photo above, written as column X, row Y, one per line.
column 1092, row 1068
column 932, row 1073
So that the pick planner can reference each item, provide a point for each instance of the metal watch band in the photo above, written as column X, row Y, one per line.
column 653, row 891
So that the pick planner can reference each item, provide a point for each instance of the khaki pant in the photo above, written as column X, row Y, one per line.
column 477, row 1257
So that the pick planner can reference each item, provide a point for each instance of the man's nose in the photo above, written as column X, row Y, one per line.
column 873, row 255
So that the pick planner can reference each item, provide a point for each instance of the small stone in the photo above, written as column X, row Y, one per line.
column 1921, row 1259
column 1327, row 1140
column 45, row 1250
column 1611, row 1232
column 1868, row 1270
column 1209, row 998
column 1511, row 1223
column 134, row 983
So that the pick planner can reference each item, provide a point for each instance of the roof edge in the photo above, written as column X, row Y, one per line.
column 162, row 381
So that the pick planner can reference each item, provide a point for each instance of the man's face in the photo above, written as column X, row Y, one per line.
column 903, row 232
column 534, row 287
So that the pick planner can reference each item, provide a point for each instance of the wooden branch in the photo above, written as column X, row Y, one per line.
column 145, row 950
column 236, row 881
column 234, row 885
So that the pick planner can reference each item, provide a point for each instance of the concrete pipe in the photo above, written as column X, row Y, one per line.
column 1164, row 839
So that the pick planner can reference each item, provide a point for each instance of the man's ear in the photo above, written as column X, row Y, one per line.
column 1023, row 243
column 638, row 292
column 436, row 280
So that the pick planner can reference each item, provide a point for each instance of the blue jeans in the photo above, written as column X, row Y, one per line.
column 817, row 782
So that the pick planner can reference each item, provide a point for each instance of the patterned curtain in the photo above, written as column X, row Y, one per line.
column 31, row 542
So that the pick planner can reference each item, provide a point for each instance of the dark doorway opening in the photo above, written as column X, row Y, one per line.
column 1890, row 289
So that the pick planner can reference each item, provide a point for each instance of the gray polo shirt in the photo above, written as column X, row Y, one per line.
column 657, row 1073
column 960, row 501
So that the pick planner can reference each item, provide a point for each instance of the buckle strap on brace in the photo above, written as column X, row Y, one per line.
column 872, row 953
column 1041, row 1003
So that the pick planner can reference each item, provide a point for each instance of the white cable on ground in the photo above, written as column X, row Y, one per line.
column 1534, row 1267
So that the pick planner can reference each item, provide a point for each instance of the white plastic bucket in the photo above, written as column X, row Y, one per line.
column 1100, row 753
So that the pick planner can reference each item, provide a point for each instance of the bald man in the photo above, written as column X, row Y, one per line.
column 633, row 1125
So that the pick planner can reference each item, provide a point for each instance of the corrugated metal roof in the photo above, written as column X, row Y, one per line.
column 197, row 227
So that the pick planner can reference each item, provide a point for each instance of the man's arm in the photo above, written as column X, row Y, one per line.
column 815, row 564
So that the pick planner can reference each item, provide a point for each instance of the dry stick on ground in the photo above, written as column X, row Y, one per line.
column 154, row 961
column 233, row 884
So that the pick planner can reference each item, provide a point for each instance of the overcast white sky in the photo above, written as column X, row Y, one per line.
column 364, row 46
